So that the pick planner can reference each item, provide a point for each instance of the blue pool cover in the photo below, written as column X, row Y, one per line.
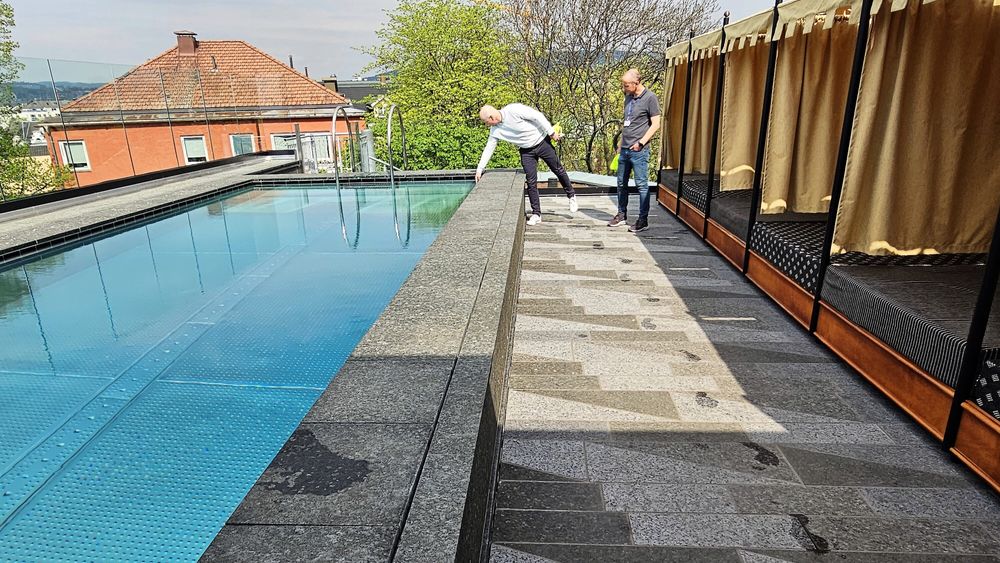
column 148, row 378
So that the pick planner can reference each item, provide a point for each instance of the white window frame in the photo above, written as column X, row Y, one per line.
column 66, row 158
column 232, row 142
column 184, row 148
column 305, row 134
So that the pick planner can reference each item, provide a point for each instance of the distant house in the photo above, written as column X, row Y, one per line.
column 367, row 94
column 198, row 101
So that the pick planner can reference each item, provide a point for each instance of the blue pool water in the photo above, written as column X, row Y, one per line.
column 148, row 378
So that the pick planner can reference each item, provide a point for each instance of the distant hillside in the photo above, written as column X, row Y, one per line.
column 36, row 91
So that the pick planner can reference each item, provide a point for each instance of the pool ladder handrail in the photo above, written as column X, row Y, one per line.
column 350, row 141
column 394, row 111
column 340, row 200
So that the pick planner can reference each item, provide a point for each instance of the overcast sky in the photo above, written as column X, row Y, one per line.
column 320, row 34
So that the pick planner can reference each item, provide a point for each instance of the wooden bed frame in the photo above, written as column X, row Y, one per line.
column 919, row 394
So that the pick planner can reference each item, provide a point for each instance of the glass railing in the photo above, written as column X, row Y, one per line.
column 81, row 123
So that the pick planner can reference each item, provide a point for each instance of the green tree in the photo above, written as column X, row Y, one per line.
column 20, row 175
column 448, row 58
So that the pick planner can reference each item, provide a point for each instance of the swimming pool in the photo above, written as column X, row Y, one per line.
column 150, row 376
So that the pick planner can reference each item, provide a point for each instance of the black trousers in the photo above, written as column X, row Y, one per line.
column 529, row 161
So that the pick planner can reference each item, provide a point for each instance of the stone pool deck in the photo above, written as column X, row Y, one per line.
column 662, row 409
column 397, row 459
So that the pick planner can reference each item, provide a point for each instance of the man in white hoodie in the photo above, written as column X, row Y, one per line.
column 533, row 134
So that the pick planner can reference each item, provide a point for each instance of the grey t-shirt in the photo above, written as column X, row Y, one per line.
column 638, row 111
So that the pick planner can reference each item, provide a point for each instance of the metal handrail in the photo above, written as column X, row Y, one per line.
column 388, row 142
column 350, row 142
column 357, row 219
column 405, row 242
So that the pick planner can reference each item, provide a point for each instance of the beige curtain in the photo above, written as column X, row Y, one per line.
column 673, row 114
column 923, row 171
column 704, row 83
column 746, row 74
column 807, row 114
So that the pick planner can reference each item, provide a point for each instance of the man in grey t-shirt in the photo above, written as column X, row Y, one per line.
column 641, row 122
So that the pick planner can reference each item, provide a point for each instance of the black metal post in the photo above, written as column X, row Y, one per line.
column 713, row 153
column 845, row 143
column 765, row 120
column 974, row 343
column 684, row 129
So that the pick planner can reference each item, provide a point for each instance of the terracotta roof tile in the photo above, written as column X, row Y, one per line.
column 221, row 74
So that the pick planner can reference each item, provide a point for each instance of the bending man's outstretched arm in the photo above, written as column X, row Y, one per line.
column 491, row 145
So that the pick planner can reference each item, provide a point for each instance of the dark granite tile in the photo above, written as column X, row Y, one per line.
column 543, row 310
column 817, row 468
column 934, row 503
column 337, row 474
column 634, row 335
column 607, row 528
column 775, row 556
column 799, row 499
column 692, row 463
column 655, row 403
column 673, row 497
column 530, row 382
column 904, row 535
column 531, row 495
column 369, row 391
column 510, row 471
column 546, row 368
column 433, row 525
column 540, row 553
column 677, row 432
column 619, row 321
column 720, row 530
column 333, row 544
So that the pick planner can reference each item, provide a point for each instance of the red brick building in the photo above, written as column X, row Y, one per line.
column 199, row 101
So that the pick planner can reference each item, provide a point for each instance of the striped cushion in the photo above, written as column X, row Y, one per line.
column 922, row 312
column 860, row 259
column 792, row 247
column 731, row 209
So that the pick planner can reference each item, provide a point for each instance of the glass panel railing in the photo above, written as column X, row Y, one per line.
column 83, row 122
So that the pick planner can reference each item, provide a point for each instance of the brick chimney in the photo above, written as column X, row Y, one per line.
column 186, row 43
column 330, row 82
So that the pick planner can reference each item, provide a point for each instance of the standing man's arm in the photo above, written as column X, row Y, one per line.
column 654, row 126
column 491, row 145
column 654, row 122
column 539, row 119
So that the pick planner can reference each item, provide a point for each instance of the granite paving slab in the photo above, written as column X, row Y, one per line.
column 405, row 440
column 715, row 427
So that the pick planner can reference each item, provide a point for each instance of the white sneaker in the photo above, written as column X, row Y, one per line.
column 573, row 206
column 534, row 220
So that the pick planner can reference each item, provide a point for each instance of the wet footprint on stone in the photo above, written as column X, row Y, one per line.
column 626, row 260
column 625, row 278
column 690, row 356
column 704, row 400
column 648, row 324
column 764, row 456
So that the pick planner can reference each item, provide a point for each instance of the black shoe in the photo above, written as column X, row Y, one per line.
column 640, row 225
column 617, row 221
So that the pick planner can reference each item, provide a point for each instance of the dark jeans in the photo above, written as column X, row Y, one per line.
column 638, row 161
column 529, row 161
